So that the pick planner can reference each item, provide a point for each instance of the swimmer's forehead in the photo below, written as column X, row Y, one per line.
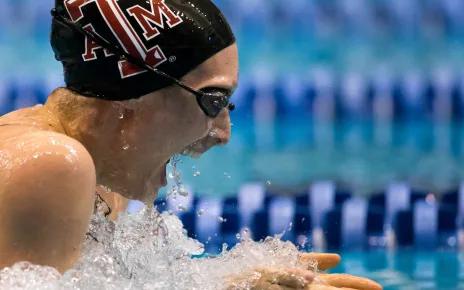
column 219, row 71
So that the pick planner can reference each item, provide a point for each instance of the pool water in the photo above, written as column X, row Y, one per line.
column 364, row 156
column 404, row 270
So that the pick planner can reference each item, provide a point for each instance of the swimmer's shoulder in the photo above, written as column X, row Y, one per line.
column 25, row 147
column 47, row 193
column 29, row 144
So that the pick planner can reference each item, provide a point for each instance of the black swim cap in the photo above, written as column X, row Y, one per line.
column 175, row 36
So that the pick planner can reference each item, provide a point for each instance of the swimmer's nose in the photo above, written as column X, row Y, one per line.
column 222, row 131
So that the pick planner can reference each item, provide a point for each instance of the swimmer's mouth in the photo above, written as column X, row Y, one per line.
column 194, row 150
column 191, row 153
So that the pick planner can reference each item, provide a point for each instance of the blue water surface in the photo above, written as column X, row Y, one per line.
column 407, row 269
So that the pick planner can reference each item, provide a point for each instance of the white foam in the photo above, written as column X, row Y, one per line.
column 148, row 250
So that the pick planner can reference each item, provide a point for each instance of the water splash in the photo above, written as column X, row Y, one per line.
column 178, row 186
column 148, row 250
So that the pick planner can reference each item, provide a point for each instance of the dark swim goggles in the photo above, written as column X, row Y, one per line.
column 211, row 103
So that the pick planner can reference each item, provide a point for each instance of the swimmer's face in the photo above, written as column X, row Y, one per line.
column 168, row 122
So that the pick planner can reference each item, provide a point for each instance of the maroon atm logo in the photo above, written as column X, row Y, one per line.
column 151, row 21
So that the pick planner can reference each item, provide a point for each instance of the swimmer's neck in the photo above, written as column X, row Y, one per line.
column 85, row 120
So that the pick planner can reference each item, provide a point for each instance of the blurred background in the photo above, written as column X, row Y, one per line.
column 349, row 125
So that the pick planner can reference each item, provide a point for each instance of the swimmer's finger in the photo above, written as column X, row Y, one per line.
column 293, row 278
column 279, row 287
column 324, row 287
column 348, row 281
column 306, row 274
column 320, row 287
column 324, row 261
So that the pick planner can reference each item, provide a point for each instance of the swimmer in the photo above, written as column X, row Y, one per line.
column 145, row 80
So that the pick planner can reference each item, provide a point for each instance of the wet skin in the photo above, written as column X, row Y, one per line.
column 53, row 156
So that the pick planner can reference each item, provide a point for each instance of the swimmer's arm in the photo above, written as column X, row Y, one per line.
column 46, row 202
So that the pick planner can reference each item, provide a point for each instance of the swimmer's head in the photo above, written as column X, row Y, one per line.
column 150, row 119
column 173, row 36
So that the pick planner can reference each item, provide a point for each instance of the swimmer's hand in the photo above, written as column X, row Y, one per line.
column 336, row 281
column 271, row 279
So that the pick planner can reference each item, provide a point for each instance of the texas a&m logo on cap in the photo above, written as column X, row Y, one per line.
column 150, row 20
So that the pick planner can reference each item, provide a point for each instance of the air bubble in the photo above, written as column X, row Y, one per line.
column 121, row 115
column 237, row 236
column 196, row 173
column 220, row 219
column 126, row 146
column 200, row 212
column 268, row 183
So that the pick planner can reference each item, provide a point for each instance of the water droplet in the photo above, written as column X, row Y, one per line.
column 183, row 192
column 213, row 133
column 197, row 173
column 302, row 240
column 268, row 183
column 220, row 219
column 237, row 236
column 127, row 146
column 200, row 212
